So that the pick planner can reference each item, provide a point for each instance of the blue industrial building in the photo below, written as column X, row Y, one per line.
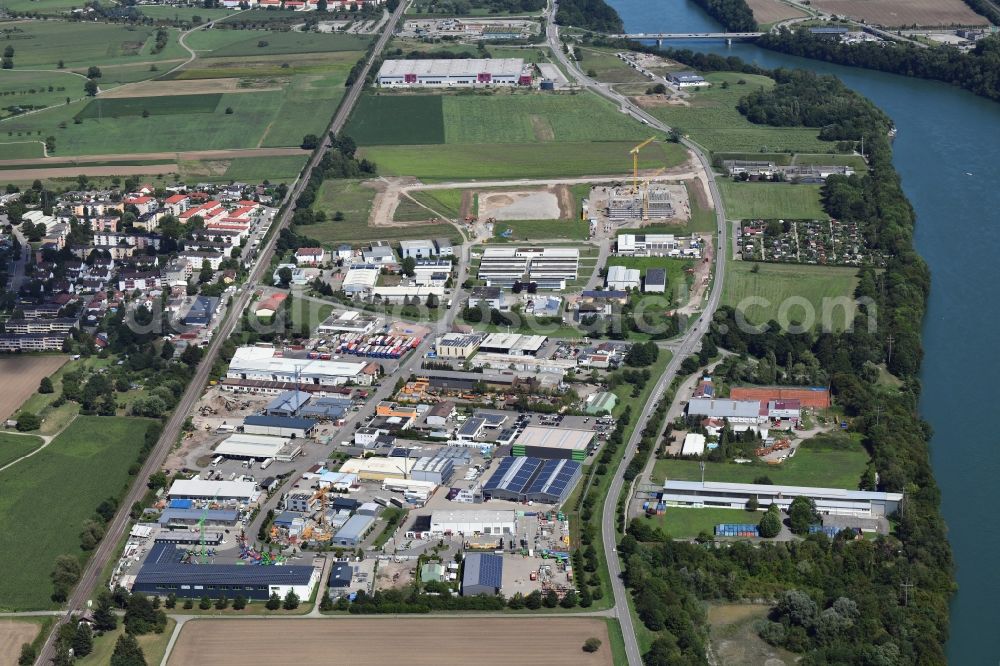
column 200, row 313
column 482, row 574
column 288, row 403
column 163, row 573
column 329, row 407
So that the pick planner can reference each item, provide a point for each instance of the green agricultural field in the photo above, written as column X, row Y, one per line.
column 687, row 523
column 527, row 118
column 123, row 107
column 309, row 101
column 168, row 13
column 14, row 446
column 349, row 197
column 397, row 120
column 37, row 89
column 433, row 8
column 257, row 169
column 45, row 7
column 42, row 44
column 283, row 43
column 574, row 229
column 855, row 161
column 448, row 202
column 826, row 461
column 41, row 510
column 520, row 160
column 609, row 68
column 781, row 291
column 713, row 121
column 21, row 150
column 770, row 201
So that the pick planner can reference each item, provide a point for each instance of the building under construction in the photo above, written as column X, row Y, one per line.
column 649, row 202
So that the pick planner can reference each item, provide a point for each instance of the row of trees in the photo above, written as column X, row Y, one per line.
column 594, row 15
column 734, row 15
column 978, row 71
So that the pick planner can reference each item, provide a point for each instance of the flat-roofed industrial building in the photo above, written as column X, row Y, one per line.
column 474, row 521
column 533, row 479
column 258, row 447
column 263, row 364
column 553, row 443
column 459, row 72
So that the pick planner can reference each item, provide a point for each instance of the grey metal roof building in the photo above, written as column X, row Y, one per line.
column 163, row 573
column 656, row 280
column 834, row 501
column 438, row 469
column 482, row 574
column 330, row 407
column 287, row 403
column 742, row 411
column 200, row 313
column 451, row 72
column 354, row 530
column 286, row 426
column 341, row 576
column 522, row 479
column 189, row 517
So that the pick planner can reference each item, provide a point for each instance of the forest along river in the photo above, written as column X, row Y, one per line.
column 946, row 152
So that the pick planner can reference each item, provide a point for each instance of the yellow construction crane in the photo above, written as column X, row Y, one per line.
column 635, row 161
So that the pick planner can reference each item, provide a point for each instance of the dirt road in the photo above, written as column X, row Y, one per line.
column 189, row 155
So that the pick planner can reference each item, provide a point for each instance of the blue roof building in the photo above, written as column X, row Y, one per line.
column 482, row 574
column 288, row 403
column 521, row 479
column 201, row 311
column 341, row 576
column 163, row 573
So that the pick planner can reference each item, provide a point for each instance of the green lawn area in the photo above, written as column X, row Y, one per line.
column 37, row 89
column 447, row 202
column 827, row 461
column 14, row 446
column 45, row 499
column 308, row 313
column 517, row 160
column 233, row 43
column 675, row 267
column 771, row 201
column 543, row 229
column 689, row 522
column 42, row 44
column 788, row 284
column 713, row 121
column 153, row 645
column 397, row 120
column 21, row 149
column 608, row 67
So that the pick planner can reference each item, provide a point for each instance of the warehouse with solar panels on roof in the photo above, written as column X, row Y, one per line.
column 482, row 573
column 533, row 480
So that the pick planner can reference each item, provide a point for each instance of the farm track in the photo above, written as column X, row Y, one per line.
column 187, row 155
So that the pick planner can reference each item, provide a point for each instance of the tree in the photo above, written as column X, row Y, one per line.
column 104, row 613
column 171, row 601
column 45, row 386
column 569, row 600
column 83, row 640
column 284, row 276
column 551, row 600
column 127, row 652
column 310, row 141
column 91, row 535
column 273, row 602
column 93, row 72
column 326, row 603
column 222, row 603
column 592, row 644
column 802, row 514
column 205, row 603
column 752, row 503
column 206, row 272
column 28, row 655
column 770, row 523
column 534, row 600
column 408, row 266
column 64, row 576
column 28, row 421
column 8, row 52
column 90, row 87
column 7, row 63
column 188, row 604
column 240, row 602
column 140, row 616
column 291, row 601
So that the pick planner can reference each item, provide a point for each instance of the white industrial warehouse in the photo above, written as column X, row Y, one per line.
column 262, row 364
column 464, row 72
column 472, row 521
column 201, row 489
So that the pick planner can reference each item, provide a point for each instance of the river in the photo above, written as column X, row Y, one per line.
column 947, row 155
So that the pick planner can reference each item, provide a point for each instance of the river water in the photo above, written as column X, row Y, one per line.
column 948, row 155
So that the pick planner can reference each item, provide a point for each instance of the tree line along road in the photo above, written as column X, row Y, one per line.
column 171, row 431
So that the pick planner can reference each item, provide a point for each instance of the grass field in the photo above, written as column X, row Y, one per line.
column 47, row 7
column 42, row 44
column 448, row 202
column 825, row 462
column 95, row 452
column 770, row 201
column 169, row 13
column 789, row 287
column 689, row 522
column 519, row 160
column 153, row 645
column 555, row 641
column 275, row 169
column 37, row 89
column 14, row 446
column 22, row 150
column 397, row 120
column 153, row 106
column 713, row 121
column 543, row 229
column 232, row 43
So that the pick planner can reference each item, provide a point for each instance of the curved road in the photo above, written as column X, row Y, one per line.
column 686, row 345
column 171, row 431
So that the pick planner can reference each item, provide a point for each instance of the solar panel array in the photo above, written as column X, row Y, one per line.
column 533, row 478
column 553, row 479
column 513, row 475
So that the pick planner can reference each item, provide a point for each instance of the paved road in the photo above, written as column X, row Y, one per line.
column 171, row 431
column 686, row 345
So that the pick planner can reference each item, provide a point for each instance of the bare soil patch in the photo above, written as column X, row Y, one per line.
column 485, row 641
column 183, row 155
column 520, row 205
column 895, row 13
column 12, row 635
column 542, row 129
column 21, row 375
column 72, row 172
column 772, row 11
column 184, row 87
column 653, row 101
column 734, row 641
